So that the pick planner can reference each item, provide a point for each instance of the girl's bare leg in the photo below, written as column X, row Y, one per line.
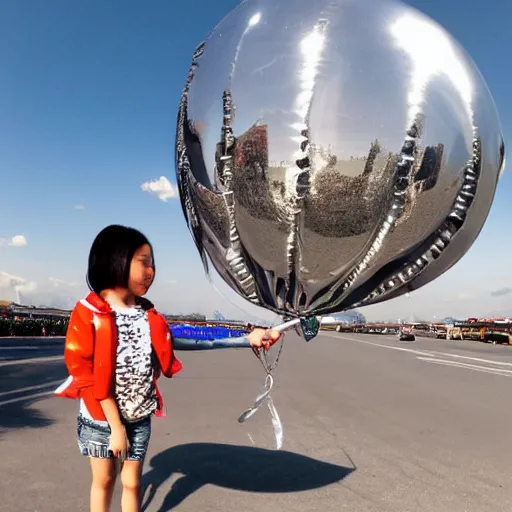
column 103, row 482
column 131, row 480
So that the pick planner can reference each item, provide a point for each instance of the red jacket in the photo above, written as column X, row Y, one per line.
column 90, row 353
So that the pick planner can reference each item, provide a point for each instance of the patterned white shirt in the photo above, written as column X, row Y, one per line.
column 135, row 392
column 134, row 386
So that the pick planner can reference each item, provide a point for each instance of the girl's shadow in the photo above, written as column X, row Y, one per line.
column 234, row 467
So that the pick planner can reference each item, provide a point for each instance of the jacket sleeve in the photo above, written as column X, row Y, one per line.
column 175, row 365
column 165, row 362
column 169, row 364
column 79, row 348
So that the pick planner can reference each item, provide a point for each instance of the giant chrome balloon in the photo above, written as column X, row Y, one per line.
column 334, row 153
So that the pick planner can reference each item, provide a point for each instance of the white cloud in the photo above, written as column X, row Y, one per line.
column 51, row 292
column 161, row 187
column 15, row 241
column 18, row 241
column 16, row 284
column 500, row 292
column 79, row 207
column 57, row 283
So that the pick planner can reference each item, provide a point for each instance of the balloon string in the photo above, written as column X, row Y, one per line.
column 266, row 398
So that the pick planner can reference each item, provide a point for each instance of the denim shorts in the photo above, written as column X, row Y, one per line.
column 93, row 439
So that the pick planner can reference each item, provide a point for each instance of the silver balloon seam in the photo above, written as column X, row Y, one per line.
column 234, row 256
column 302, row 183
column 183, row 163
column 400, row 185
column 452, row 224
column 234, row 253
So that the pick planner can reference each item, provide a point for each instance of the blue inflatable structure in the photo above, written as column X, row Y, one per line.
column 199, row 332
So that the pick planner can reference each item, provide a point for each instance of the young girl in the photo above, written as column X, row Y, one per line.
column 117, row 346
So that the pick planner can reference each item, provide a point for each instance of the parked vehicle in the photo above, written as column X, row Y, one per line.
column 441, row 333
column 406, row 335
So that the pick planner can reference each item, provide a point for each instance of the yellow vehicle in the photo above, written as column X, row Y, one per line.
column 487, row 332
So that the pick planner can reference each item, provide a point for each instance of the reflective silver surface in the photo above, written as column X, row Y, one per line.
column 334, row 153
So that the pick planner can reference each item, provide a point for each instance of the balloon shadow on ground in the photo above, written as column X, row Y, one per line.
column 241, row 468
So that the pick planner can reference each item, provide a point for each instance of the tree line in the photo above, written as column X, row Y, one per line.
column 33, row 327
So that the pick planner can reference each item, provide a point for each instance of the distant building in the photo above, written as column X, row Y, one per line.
column 37, row 312
column 348, row 317
column 216, row 316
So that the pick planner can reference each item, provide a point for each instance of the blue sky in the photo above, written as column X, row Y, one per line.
column 89, row 94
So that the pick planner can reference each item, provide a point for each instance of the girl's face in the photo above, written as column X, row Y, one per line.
column 141, row 271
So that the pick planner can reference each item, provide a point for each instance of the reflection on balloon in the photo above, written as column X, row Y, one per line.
column 333, row 154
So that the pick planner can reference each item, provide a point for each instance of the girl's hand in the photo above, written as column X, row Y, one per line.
column 119, row 443
column 263, row 338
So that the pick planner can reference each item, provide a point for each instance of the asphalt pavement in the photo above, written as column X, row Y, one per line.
column 30, row 349
column 370, row 424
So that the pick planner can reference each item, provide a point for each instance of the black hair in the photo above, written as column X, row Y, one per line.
column 111, row 255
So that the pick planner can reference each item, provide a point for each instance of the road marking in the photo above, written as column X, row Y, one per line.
column 466, row 366
column 427, row 353
column 476, row 359
column 21, row 347
column 401, row 349
column 26, row 398
column 31, row 360
column 53, row 383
